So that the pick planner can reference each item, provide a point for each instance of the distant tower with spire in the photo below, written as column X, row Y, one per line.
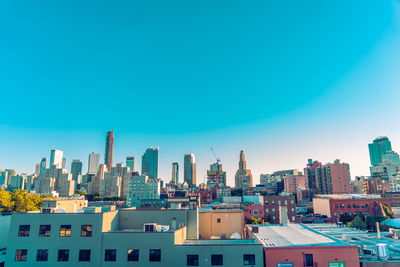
column 243, row 177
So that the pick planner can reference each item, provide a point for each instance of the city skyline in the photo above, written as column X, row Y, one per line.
column 308, row 88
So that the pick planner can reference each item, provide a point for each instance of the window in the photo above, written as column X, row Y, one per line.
column 216, row 260
column 273, row 210
column 24, row 230
column 44, row 230
column 86, row 230
column 65, row 230
column 84, row 255
column 249, row 259
column 349, row 206
column 21, row 254
column 279, row 202
column 155, row 255
column 356, row 206
column 285, row 202
column 292, row 201
column 342, row 206
column 110, row 255
column 42, row 254
column 273, row 202
column 218, row 220
column 266, row 210
column 133, row 254
column 266, row 202
column 192, row 260
column 309, row 260
column 63, row 255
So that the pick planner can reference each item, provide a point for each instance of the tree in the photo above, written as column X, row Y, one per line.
column 358, row 223
column 253, row 220
column 23, row 201
column 270, row 219
column 345, row 218
column 5, row 201
column 80, row 192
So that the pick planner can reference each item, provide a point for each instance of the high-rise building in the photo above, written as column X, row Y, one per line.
column 37, row 169
column 216, row 175
column 243, row 177
column 331, row 178
column 76, row 169
column 64, row 163
column 377, row 148
column 42, row 166
column 189, row 169
column 108, row 157
column 130, row 162
column 175, row 173
column 141, row 188
column 150, row 163
column 93, row 165
column 56, row 158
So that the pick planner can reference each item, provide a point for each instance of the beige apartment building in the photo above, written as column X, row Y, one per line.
column 220, row 224
column 127, row 237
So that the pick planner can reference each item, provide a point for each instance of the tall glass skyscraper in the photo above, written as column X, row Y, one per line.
column 130, row 162
column 150, row 163
column 189, row 169
column 175, row 173
column 377, row 148
column 108, row 157
column 76, row 169
column 56, row 158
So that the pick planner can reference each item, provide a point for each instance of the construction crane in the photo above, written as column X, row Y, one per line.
column 215, row 155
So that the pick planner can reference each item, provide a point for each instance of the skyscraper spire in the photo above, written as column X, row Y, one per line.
column 243, row 177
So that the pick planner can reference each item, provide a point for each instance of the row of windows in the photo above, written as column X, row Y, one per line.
column 279, row 202
column 132, row 255
column 348, row 206
column 44, row 230
column 273, row 210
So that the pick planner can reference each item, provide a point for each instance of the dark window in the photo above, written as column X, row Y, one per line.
column 356, row 206
column 42, row 254
column 155, row 255
column 349, row 206
column 342, row 206
column 63, row 255
column 249, row 259
column 44, row 230
column 24, row 230
column 65, row 230
column 218, row 220
column 216, row 260
column 309, row 260
column 110, row 255
column 133, row 254
column 21, row 254
column 84, row 255
column 192, row 260
column 86, row 230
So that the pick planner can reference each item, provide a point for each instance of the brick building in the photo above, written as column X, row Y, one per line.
column 272, row 204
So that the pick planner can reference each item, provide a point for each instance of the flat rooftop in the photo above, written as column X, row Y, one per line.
column 221, row 242
column 363, row 239
column 348, row 196
column 292, row 235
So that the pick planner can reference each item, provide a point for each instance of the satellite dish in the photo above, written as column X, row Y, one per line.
column 235, row 236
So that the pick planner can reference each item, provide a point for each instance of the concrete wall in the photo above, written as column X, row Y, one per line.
column 229, row 222
column 321, row 206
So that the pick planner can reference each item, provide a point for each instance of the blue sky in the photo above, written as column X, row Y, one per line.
column 283, row 80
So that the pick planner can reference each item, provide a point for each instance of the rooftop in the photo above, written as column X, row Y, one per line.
column 348, row 196
column 293, row 235
column 220, row 241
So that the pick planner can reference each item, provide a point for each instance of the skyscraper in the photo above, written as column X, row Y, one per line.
column 130, row 162
column 108, row 157
column 37, row 169
column 64, row 163
column 377, row 148
column 189, row 169
column 56, row 158
column 76, row 169
column 43, row 165
column 216, row 175
column 175, row 173
column 93, row 165
column 150, row 163
column 243, row 177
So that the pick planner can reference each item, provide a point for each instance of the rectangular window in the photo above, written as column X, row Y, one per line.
column 24, row 230
column 84, row 255
column 192, row 260
column 110, row 255
column 309, row 260
column 21, row 254
column 65, row 230
column 273, row 202
column 133, row 255
column 155, row 255
column 63, row 255
column 86, row 230
column 44, row 230
column 42, row 254
column 218, row 220
column 216, row 260
column 249, row 259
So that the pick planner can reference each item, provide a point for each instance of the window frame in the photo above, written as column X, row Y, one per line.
column 192, row 260
column 65, row 230
column 135, row 257
column 215, row 257
column 251, row 260
column 81, row 257
column 62, row 257
column 21, row 256
column 42, row 255
column 110, row 255
column 157, row 257
column 44, row 232
column 26, row 232
column 84, row 229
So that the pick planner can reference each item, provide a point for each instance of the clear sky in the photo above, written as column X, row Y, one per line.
column 283, row 80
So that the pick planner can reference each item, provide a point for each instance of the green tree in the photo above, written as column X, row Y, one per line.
column 253, row 220
column 358, row 223
column 5, row 201
column 80, row 192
